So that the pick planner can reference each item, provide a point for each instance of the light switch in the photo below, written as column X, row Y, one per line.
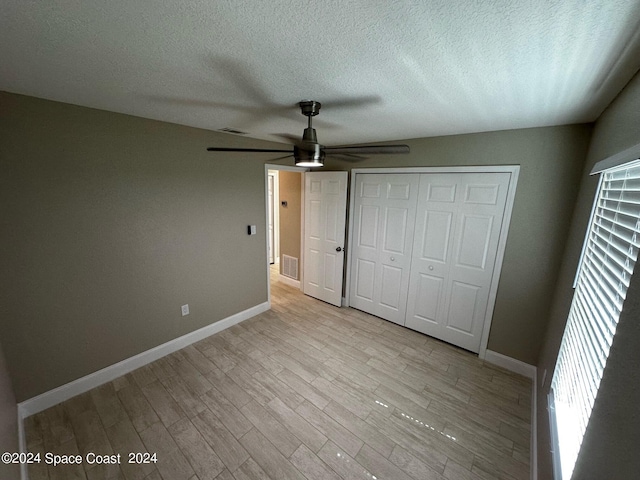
column 252, row 230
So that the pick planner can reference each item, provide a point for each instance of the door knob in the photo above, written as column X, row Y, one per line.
column 430, row 267
column 393, row 259
column 339, row 249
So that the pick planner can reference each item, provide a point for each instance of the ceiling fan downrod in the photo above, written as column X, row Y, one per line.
column 310, row 109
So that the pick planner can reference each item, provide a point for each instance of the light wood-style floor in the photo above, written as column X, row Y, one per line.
column 305, row 390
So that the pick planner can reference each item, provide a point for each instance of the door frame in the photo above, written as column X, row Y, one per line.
column 514, row 170
column 267, row 167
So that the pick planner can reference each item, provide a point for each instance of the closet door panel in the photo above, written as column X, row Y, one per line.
column 381, row 256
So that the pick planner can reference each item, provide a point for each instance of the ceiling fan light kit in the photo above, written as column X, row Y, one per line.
column 309, row 153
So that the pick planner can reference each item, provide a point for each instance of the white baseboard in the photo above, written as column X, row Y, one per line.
column 510, row 364
column 86, row 383
column 533, row 455
column 529, row 371
column 22, row 445
column 289, row 281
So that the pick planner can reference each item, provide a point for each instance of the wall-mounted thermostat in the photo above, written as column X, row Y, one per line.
column 251, row 229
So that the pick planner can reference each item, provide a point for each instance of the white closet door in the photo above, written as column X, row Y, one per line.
column 384, row 217
column 458, row 222
column 325, row 198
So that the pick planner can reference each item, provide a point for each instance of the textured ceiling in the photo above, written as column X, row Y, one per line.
column 383, row 69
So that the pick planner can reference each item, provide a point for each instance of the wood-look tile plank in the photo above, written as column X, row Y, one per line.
column 219, row 358
column 330, row 428
column 90, row 434
column 162, row 369
column 206, row 464
column 268, row 457
column 401, row 403
column 56, row 427
column 250, row 470
column 251, row 385
column 192, row 377
column 228, row 414
column 163, row 403
column 171, row 463
column 355, row 377
column 143, row 376
column 311, row 466
column 345, row 399
column 278, row 388
column 296, row 424
column 229, row 388
column 273, row 430
column 221, row 440
column 36, row 471
column 460, row 413
column 304, row 388
column 137, row 407
column 389, row 388
column 363, row 430
column 294, row 366
column 342, row 463
column 78, row 404
column 225, row 475
column 521, row 454
column 412, row 465
column 369, row 399
column 408, row 440
column 102, row 472
column 66, row 471
column 266, row 362
column 379, row 465
column 184, row 396
column 198, row 360
column 120, row 382
column 124, row 439
column 499, row 467
column 434, row 439
column 107, row 404
column 455, row 471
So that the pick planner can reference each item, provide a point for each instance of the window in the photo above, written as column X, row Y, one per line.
column 608, row 258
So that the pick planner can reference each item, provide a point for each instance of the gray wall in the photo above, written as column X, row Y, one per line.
column 114, row 222
column 109, row 224
column 613, row 435
column 551, row 160
column 8, row 421
column 290, row 228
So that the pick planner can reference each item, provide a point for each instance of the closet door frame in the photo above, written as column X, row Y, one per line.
column 513, row 170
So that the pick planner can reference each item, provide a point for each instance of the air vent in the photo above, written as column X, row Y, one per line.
column 290, row 267
column 233, row 130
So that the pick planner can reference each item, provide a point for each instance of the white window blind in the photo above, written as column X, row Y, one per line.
column 608, row 259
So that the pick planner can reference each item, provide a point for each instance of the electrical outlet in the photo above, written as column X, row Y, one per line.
column 185, row 309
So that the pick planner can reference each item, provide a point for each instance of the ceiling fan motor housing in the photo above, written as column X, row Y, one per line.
column 308, row 152
column 310, row 108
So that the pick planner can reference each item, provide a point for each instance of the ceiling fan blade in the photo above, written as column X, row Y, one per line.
column 222, row 149
column 277, row 159
column 353, row 102
column 288, row 137
column 346, row 157
column 368, row 149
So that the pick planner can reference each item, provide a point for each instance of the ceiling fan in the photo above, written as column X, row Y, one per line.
column 307, row 152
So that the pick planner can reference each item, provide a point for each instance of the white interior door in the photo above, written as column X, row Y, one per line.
column 458, row 222
column 271, row 207
column 325, row 209
column 382, row 243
